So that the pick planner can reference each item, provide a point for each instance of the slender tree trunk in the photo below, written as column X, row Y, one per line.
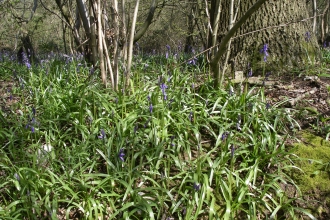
column 130, row 45
column 147, row 22
column 100, row 43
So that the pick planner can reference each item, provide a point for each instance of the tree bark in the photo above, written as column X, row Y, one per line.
column 214, row 64
column 287, row 44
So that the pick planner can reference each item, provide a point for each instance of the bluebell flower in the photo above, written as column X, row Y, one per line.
column 268, row 105
column 184, row 211
column 193, row 61
column 32, row 123
column 163, row 87
column 102, row 136
column 224, row 135
column 307, row 36
column 168, row 47
column 149, row 98
column 169, row 76
column 324, row 44
column 26, row 60
column 264, row 51
column 197, row 186
column 151, row 108
column 121, row 154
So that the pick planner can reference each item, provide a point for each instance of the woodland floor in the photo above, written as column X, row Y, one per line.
column 296, row 91
column 310, row 95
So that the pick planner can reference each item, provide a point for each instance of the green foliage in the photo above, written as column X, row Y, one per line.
column 182, row 150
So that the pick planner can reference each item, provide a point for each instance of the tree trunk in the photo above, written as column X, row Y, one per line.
column 27, row 44
column 287, row 44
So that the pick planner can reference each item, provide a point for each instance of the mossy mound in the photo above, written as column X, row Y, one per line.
column 314, row 160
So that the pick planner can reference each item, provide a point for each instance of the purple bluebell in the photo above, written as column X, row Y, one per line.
column 102, row 136
column 163, row 87
column 151, row 108
column 26, row 60
column 307, row 36
column 168, row 47
column 184, row 211
column 192, row 61
column 264, row 51
column 32, row 123
column 197, row 186
column 268, row 105
column 169, row 76
column 121, row 154
column 324, row 44
column 149, row 98
column 224, row 135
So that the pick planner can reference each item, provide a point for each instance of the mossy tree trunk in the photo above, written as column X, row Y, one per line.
column 276, row 23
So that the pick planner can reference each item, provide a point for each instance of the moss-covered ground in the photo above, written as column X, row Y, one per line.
column 314, row 179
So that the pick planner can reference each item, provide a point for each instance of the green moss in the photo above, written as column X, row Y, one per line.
column 314, row 154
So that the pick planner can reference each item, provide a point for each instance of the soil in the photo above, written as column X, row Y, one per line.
column 309, row 97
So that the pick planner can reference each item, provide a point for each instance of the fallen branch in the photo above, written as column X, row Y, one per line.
column 298, row 98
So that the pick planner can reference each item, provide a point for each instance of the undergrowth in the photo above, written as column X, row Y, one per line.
column 169, row 148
